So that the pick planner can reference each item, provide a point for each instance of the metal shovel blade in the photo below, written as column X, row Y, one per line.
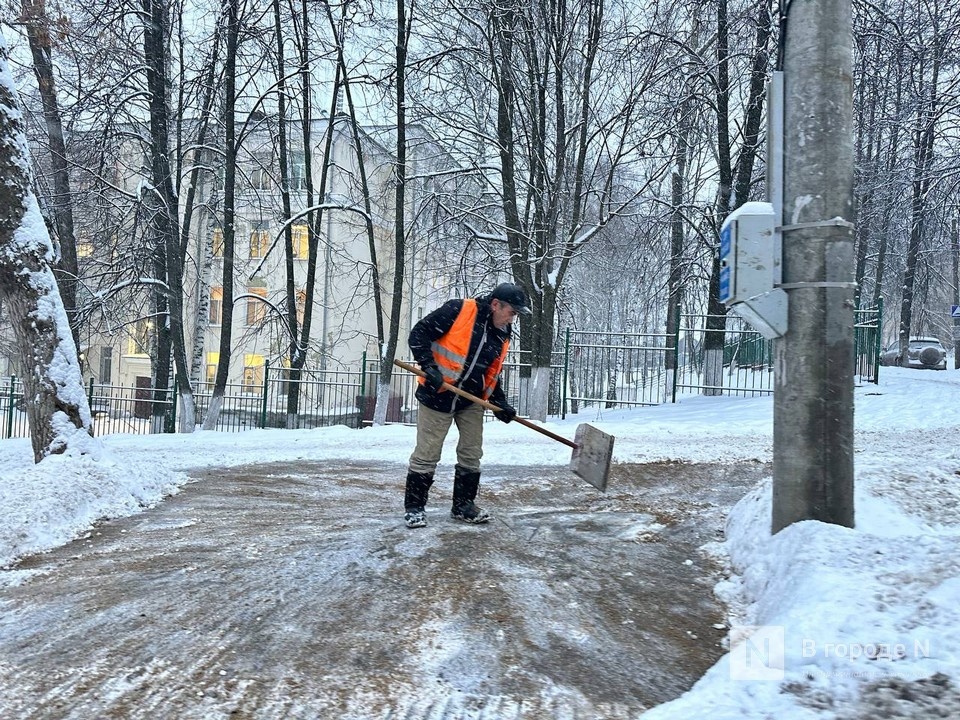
column 592, row 456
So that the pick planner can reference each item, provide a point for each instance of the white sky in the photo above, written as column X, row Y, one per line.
column 891, row 587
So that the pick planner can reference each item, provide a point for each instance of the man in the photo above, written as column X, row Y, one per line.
column 463, row 343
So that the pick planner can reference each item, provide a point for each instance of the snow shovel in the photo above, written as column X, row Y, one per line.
column 592, row 448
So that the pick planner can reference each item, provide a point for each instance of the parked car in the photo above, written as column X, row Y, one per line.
column 922, row 352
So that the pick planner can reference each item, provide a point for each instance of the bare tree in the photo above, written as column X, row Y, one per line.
column 231, row 44
column 388, row 349
column 34, row 17
column 166, row 206
column 933, row 41
column 57, row 409
column 552, row 96
column 735, row 175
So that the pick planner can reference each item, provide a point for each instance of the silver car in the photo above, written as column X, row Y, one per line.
column 922, row 352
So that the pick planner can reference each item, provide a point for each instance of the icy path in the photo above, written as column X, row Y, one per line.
column 292, row 590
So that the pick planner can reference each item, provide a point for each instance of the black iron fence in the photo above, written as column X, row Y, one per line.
column 603, row 370
column 714, row 355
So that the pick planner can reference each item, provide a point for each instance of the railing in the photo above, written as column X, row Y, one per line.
column 745, row 357
column 593, row 369
column 613, row 370
column 610, row 370
column 866, row 341
column 12, row 413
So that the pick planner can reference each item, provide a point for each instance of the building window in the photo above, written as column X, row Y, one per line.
column 213, row 359
column 259, row 243
column 260, row 178
column 217, row 240
column 256, row 308
column 300, row 235
column 140, row 338
column 106, row 365
column 216, row 306
column 298, row 171
column 84, row 248
column 301, row 306
column 252, row 373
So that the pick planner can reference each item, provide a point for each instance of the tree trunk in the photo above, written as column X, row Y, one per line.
column 734, row 184
column 892, row 162
column 314, row 218
column 229, row 214
column 337, row 30
column 205, row 250
column 66, row 269
column 923, row 159
column 389, row 348
column 57, row 408
column 166, row 215
column 293, row 389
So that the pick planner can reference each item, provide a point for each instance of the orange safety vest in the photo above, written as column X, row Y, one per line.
column 450, row 350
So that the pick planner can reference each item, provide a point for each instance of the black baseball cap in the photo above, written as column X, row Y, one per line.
column 513, row 294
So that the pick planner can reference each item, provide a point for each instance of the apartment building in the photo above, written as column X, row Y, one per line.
column 119, row 336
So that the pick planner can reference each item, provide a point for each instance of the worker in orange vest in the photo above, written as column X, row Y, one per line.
column 463, row 343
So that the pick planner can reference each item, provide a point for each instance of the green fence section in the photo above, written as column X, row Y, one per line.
column 12, row 412
column 599, row 370
column 742, row 364
column 614, row 370
column 621, row 370
column 867, row 343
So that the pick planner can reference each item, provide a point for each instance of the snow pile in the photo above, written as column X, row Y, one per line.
column 50, row 503
column 831, row 622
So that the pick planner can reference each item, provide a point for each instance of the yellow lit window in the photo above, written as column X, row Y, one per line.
column 216, row 306
column 84, row 248
column 256, row 308
column 259, row 243
column 300, row 246
column 217, row 243
column 252, row 373
column 213, row 359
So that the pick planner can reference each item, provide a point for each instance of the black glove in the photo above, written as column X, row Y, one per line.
column 433, row 377
column 506, row 413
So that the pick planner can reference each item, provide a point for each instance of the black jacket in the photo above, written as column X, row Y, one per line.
column 436, row 324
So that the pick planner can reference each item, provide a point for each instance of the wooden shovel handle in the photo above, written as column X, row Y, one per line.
column 488, row 405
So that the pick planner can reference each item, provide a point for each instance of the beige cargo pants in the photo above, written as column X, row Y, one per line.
column 432, row 429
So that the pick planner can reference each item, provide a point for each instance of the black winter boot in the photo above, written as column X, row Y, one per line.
column 415, row 498
column 465, row 486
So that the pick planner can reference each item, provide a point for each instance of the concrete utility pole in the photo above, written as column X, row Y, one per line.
column 956, row 293
column 813, row 399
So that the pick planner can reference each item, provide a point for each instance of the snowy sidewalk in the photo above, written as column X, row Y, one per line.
column 293, row 590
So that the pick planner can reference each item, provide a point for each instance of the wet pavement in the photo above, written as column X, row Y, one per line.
column 293, row 590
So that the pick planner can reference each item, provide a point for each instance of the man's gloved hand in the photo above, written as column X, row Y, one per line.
column 433, row 377
column 506, row 413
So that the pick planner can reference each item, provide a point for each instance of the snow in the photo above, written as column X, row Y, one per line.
column 63, row 370
column 868, row 619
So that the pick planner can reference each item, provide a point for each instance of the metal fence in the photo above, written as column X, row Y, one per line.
column 746, row 365
column 621, row 370
column 867, row 343
column 613, row 370
column 592, row 370
column 12, row 412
